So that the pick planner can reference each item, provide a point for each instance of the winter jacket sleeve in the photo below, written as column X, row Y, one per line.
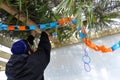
column 45, row 43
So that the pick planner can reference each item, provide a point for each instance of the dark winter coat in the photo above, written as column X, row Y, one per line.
column 30, row 67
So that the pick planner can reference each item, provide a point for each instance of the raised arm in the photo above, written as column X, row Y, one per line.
column 45, row 42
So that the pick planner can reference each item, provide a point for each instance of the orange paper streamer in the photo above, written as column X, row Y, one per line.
column 83, row 31
column 102, row 48
column 67, row 20
column 61, row 22
column 11, row 27
column 89, row 43
column 64, row 20
column 22, row 28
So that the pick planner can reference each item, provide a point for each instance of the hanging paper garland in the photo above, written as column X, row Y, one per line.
column 102, row 48
column 86, row 60
column 62, row 21
column 89, row 43
column 5, row 27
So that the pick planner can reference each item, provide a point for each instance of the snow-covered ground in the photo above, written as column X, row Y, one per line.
column 66, row 63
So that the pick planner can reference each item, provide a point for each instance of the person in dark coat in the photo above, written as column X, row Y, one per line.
column 26, row 64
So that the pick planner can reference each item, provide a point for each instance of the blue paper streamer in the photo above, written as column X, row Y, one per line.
column 43, row 26
column 119, row 43
column 32, row 27
column 87, row 67
column 86, row 59
column 3, row 27
column 82, row 35
column 54, row 35
column 74, row 21
column 78, row 28
column 116, row 46
column 53, row 24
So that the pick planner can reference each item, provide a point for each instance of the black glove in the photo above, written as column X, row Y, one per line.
column 30, row 39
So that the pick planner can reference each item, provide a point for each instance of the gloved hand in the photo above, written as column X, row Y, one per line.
column 30, row 39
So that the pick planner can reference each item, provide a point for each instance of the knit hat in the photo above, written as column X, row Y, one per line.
column 19, row 47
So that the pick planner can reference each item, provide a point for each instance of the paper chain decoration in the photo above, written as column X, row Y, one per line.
column 62, row 21
column 101, row 48
column 86, row 60
column 33, row 27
